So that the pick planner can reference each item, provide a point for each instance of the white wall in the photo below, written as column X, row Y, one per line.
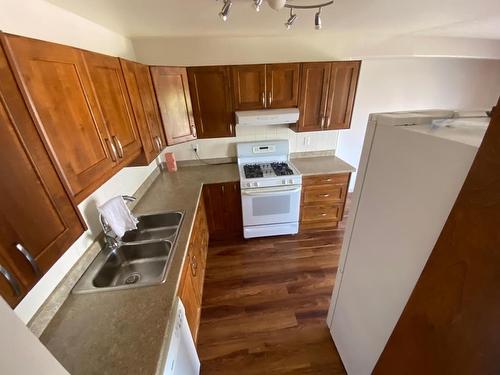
column 417, row 83
column 20, row 351
column 42, row 20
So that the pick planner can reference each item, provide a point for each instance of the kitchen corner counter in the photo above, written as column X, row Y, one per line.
column 126, row 331
column 309, row 166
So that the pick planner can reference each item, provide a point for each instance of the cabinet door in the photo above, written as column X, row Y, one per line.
column 249, row 86
column 315, row 78
column 111, row 93
column 190, row 301
column 282, row 85
column 143, row 103
column 36, row 214
column 213, row 195
column 212, row 104
column 342, row 90
column 56, row 85
column 172, row 92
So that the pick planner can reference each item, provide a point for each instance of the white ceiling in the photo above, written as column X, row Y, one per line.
column 179, row 18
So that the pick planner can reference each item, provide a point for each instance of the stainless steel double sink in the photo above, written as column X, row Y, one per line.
column 141, row 258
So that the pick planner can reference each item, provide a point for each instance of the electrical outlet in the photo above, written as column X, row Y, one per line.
column 307, row 141
column 195, row 147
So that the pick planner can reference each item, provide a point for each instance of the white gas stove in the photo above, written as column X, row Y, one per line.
column 270, row 189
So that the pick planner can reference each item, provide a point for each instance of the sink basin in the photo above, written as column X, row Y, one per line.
column 141, row 258
column 128, row 266
column 134, row 264
column 154, row 227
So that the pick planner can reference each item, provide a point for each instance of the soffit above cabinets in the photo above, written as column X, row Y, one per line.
column 170, row 18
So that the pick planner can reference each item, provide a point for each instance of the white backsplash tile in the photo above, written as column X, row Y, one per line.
column 226, row 147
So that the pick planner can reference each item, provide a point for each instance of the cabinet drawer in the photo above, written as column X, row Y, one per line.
column 335, row 193
column 326, row 179
column 332, row 212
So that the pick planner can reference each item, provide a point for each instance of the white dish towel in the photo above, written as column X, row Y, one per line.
column 118, row 216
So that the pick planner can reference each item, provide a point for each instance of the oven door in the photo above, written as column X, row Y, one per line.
column 273, row 205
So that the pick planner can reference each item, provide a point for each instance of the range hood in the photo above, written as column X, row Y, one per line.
column 267, row 117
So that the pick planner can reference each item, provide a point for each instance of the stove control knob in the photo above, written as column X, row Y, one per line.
column 283, row 182
column 255, row 184
column 290, row 181
column 249, row 184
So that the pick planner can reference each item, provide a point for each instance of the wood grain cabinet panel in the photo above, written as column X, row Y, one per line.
column 145, row 108
column 282, row 85
column 37, row 215
column 223, row 207
column 193, row 275
column 327, row 95
column 249, row 86
column 112, row 95
column 212, row 101
column 323, row 200
column 172, row 91
column 56, row 84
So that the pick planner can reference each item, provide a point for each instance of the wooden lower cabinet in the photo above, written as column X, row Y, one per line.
column 223, row 205
column 323, row 200
column 193, row 274
column 38, row 220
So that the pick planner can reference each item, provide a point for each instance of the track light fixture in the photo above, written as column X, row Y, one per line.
column 317, row 20
column 291, row 20
column 224, row 13
column 257, row 4
column 280, row 4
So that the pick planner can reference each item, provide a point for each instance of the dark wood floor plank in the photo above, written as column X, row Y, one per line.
column 265, row 303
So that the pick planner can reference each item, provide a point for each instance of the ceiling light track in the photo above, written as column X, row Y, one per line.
column 280, row 4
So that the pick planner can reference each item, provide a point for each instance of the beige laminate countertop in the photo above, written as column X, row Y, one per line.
column 126, row 331
column 309, row 166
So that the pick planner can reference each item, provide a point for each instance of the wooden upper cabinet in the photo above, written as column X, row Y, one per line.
column 327, row 95
column 265, row 86
column 37, row 217
column 145, row 108
column 249, row 86
column 313, row 95
column 212, row 101
column 172, row 92
column 56, row 85
column 112, row 95
column 341, row 93
column 282, row 85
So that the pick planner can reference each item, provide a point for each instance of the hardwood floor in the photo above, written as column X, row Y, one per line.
column 265, row 303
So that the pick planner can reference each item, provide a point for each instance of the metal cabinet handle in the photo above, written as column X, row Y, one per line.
column 322, row 122
column 14, row 284
column 112, row 149
column 327, row 180
column 158, row 143
column 29, row 258
column 270, row 98
column 323, row 214
column 222, row 188
column 328, row 121
column 194, row 266
column 119, row 147
column 263, row 99
column 325, row 195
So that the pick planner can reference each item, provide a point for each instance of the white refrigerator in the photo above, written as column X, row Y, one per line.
column 412, row 168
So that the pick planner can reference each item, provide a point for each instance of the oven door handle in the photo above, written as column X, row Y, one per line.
column 269, row 191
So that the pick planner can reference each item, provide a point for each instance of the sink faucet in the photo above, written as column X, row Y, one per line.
column 112, row 240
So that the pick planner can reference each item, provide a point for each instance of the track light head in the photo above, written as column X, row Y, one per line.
column 224, row 13
column 291, row 20
column 257, row 4
column 317, row 20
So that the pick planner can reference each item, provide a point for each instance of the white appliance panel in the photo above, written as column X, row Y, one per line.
column 267, row 117
column 407, row 184
column 270, row 205
column 182, row 358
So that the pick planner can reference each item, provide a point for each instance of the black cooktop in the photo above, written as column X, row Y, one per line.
column 281, row 169
column 253, row 171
